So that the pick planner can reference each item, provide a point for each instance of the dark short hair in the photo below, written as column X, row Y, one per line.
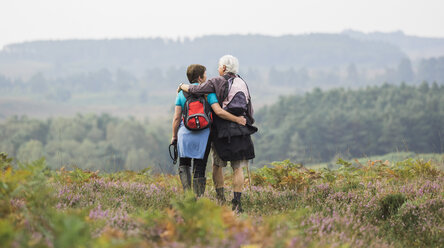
column 195, row 71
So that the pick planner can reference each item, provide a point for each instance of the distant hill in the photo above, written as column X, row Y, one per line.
column 136, row 55
column 138, row 77
column 415, row 47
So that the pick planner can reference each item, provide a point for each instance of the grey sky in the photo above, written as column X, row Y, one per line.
column 26, row 20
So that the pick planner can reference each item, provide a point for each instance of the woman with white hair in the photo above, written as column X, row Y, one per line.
column 230, row 142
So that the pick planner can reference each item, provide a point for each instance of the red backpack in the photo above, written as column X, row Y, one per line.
column 196, row 114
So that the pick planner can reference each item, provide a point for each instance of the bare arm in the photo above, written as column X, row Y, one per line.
column 227, row 115
column 176, row 122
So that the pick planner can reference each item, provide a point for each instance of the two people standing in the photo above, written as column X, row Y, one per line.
column 229, row 135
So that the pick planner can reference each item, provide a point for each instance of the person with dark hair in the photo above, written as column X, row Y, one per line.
column 195, row 145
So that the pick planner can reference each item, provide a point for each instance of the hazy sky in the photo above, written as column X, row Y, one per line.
column 26, row 20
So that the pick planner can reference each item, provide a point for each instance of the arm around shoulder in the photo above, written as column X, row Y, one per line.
column 204, row 88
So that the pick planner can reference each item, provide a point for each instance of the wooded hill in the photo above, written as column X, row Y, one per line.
column 138, row 77
column 136, row 55
column 352, row 123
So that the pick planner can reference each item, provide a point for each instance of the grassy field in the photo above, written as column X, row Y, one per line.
column 366, row 204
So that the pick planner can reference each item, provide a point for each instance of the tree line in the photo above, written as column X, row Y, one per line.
column 308, row 128
column 104, row 81
column 95, row 142
column 320, row 125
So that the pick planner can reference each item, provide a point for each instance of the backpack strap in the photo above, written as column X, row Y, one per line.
column 227, row 87
column 249, row 100
column 186, row 94
column 248, row 89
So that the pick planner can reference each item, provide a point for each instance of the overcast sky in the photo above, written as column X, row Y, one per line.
column 27, row 20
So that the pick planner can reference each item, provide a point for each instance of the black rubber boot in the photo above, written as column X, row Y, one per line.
column 220, row 196
column 237, row 205
column 199, row 186
column 185, row 177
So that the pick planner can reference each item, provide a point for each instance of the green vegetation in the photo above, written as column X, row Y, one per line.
column 90, row 142
column 320, row 126
column 379, row 204
column 312, row 129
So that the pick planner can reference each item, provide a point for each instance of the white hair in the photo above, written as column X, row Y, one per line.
column 230, row 62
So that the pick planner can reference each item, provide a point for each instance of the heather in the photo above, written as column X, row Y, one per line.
column 360, row 204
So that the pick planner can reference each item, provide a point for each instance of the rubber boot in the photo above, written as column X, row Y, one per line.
column 199, row 186
column 185, row 177
column 220, row 196
column 237, row 205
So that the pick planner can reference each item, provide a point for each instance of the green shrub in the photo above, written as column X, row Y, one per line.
column 6, row 233
column 202, row 219
column 284, row 175
column 70, row 230
column 410, row 168
column 389, row 205
column 5, row 161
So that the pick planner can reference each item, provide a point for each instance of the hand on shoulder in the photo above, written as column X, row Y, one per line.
column 179, row 88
